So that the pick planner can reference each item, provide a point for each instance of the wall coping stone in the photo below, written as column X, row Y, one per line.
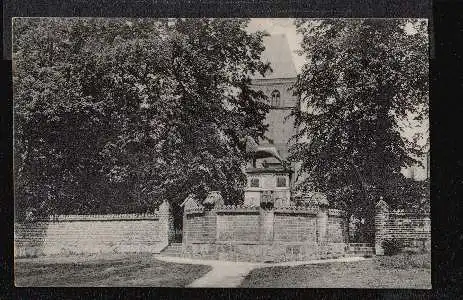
column 222, row 242
column 409, row 213
column 297, row 210
column 237, row 209
column 191, row 211
column 107, row 217
column 275, row 242
column 382, row 205
column 336, row 212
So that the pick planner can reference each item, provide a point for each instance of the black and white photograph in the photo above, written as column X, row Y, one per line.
column 221, row 152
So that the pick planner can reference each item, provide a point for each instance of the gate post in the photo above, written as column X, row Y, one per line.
column 213, row 199
column 322, row 217
column 381, row 219
column 322, row 222
column 166, row 223
column 266, row 217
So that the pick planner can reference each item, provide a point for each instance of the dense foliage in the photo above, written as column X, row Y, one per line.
column 362, row 80
column 116, row 115
column 392, row 246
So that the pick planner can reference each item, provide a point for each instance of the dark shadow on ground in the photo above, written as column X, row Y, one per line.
column 411, row 271
column 121, row 270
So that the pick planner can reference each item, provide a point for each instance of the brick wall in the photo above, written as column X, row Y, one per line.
column 335, row 230
column 199, row 226
column 256, row 234
column 225, row 232
column 412, row 229
column 238, row 226
column 264, row 252
column 74, row 234
column 337, row 226
column 193, row 227
column 295, row 227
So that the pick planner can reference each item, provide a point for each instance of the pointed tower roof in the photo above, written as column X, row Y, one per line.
column 278, row 53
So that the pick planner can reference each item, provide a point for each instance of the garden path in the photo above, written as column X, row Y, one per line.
column 231, row 274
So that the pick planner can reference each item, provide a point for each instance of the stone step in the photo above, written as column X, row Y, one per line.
column 360, row 254
column 173, row 254
column 366, row 248
column 174, row 249
column 360, row 249
column 211, row 257
column 370, row 249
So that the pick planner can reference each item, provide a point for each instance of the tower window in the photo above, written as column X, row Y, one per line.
column 275, row 98
column 281, row 181
column 254, row 182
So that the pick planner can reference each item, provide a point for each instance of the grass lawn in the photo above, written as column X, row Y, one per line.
column 399, row 271
column 107, row 270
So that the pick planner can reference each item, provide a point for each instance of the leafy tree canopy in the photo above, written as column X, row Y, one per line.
column 116, row 115
column 362, row 79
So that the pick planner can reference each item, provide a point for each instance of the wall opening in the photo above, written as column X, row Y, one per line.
column 275, row 102
column 177, row 214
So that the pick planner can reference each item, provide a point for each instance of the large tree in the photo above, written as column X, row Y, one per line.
column 362, row 79
column 115, row 115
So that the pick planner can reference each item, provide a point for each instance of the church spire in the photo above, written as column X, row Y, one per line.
column 278, row 54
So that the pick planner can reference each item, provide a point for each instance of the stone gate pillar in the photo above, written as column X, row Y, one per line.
column 166, row 223
column 322, row 224
column 345, row 228
column 381, row 219
column 322, row 217
column 190, row 206
column 266, row 217
column 266, row 224
column 213, row 199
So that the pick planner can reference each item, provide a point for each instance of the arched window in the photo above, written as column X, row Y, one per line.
column 254, row 182
column 281, row 181
column 275, row 98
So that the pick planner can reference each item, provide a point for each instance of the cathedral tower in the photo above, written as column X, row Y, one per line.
column 276, row 86
column 269, row 177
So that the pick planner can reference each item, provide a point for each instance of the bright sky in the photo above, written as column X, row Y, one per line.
column 286, row 26
column 279, row 26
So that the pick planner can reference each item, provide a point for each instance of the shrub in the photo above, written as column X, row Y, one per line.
column 406, row 261
column 392, row 247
